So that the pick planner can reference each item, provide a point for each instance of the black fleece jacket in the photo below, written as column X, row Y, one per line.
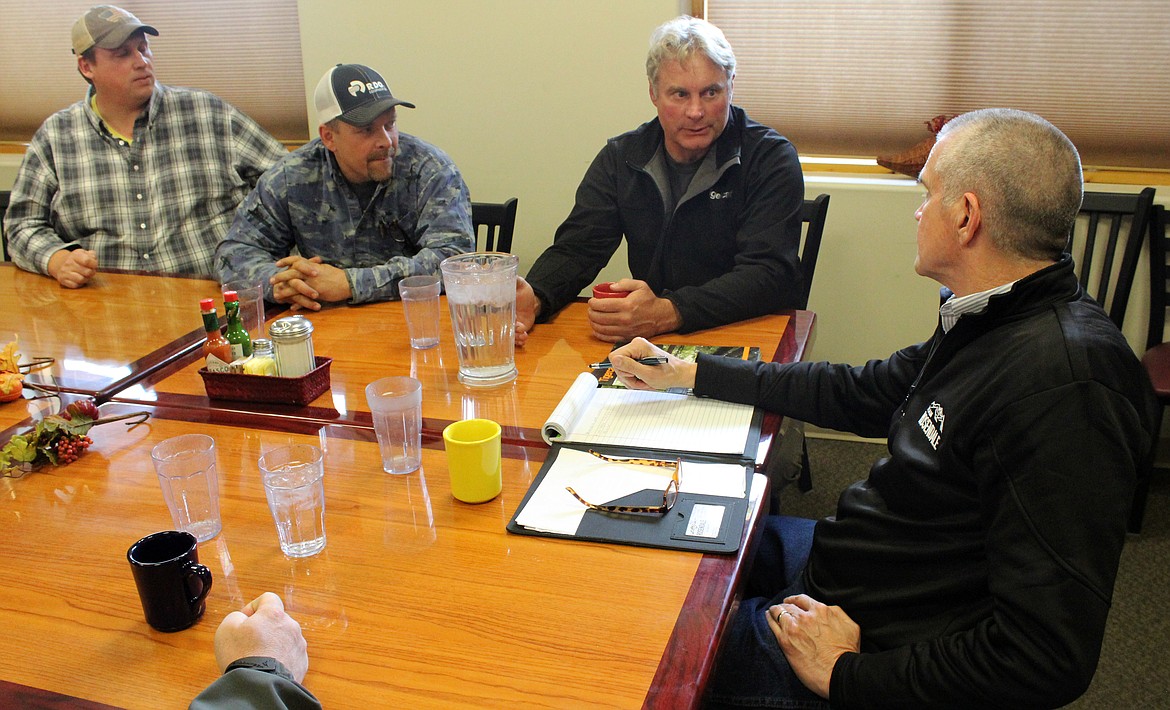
column 979, row 557
column 728, row 251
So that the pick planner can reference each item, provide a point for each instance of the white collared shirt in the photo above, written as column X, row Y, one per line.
column 958, row 306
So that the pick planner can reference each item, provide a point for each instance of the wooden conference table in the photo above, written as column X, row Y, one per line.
column 417, row 601
column 104, row 336
column 370, row 341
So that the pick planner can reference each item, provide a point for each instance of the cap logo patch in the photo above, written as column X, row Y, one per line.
column 356, row 87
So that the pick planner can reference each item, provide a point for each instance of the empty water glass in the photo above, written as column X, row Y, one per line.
column 396, row 407
column 420, row 300
column 186, row 471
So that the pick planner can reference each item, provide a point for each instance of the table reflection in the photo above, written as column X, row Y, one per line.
column 225, row 580
column 311, row 594
column 427, row 367
column 410, row 518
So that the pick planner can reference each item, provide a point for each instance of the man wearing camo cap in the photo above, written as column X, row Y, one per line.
column 137, row 175
column 362, row 205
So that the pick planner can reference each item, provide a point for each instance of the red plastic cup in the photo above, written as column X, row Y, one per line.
column 605, row 290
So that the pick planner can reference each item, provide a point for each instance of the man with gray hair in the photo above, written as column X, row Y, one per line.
column 362, row 205
column 974, row 567
column 137, row 175
column 707, row 199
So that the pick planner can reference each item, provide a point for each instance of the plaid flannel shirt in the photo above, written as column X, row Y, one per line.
column 161, row 203
column 421, row 216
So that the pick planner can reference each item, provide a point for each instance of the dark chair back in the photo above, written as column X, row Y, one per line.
column 1159, row 276
column 1157, row 357
column 498, row 220
column 5, row 195
column 813, row 214
column 1106, row 243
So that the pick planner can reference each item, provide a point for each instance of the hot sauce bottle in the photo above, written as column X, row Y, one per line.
column 217, row 351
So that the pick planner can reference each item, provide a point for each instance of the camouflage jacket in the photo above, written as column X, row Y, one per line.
column 421, row 216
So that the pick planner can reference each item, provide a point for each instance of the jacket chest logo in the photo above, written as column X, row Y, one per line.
column 931, row 423
column 714, row 195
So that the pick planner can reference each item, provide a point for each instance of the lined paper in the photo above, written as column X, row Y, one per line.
column 636, row 418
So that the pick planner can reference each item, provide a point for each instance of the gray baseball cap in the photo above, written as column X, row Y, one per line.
column 354, row 93
column 107, row 27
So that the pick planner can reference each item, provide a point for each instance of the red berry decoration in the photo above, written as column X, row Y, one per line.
column 58, row 438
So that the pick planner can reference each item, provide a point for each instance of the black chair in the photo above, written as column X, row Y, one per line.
column 1106, row 253
column 5, row 196
column 498, row 220
column 1104, row 276
column 813, row 214
column 1157, row 357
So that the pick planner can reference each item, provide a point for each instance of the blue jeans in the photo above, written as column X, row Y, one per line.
column 751, row 671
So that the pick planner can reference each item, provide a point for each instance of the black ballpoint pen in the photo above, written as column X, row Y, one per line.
column 641, row 360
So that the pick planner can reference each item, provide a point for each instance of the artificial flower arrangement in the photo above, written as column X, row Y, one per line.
column 56, row 439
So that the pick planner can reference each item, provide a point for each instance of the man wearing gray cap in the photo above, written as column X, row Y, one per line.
column 362, row 205
column 137, row 175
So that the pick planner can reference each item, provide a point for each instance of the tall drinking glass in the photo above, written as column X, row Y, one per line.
column 396, row 408
column 251, row 297
column 186, row 472
column 294, row 485
column 481, row 292
column 420, row 300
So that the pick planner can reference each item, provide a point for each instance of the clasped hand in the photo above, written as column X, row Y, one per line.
column 262, row 628
column 306, row 283
column 613, row 320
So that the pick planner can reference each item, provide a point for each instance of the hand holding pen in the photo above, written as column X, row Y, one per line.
column 667, row 371
column 641, row 361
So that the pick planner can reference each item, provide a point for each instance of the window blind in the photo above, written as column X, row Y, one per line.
column 861, row 77
column 247, row 53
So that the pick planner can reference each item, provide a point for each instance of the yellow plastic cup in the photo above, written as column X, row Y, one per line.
column 473, row 459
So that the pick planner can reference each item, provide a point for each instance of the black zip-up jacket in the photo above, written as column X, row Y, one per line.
column 979, row 557
column 729, row 251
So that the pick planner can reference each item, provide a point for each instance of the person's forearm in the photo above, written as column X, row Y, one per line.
column 32, row 241
column 257, row 690
column 380, row 283
column 260, row 235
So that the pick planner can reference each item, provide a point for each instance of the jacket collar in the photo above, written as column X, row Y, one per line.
column 1037, row 291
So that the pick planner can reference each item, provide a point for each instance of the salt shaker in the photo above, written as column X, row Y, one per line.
column 293, row 338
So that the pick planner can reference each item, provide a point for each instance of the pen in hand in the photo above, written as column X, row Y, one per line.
column 641, row 361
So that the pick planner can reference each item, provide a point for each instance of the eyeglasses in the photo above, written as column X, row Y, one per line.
column 669, row 496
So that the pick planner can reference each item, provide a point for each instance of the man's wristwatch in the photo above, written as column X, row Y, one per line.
column 266, row 664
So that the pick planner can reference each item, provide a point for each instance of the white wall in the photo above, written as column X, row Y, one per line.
column 521, row 93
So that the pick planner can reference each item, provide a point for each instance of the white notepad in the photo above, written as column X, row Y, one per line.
column 641, row 419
